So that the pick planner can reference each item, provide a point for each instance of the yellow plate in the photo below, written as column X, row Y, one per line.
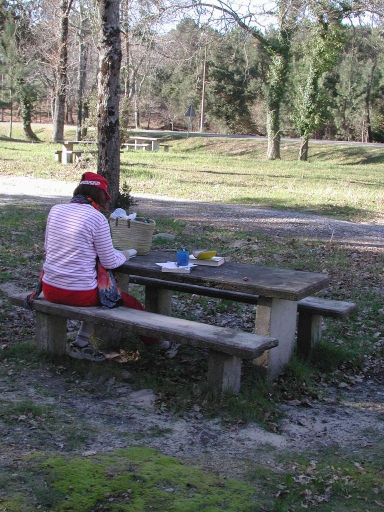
column 204, row 255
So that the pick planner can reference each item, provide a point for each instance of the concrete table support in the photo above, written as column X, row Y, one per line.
column 52, row 333
column 224, row 372
column 276, row 317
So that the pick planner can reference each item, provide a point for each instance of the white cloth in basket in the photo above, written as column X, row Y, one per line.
column 120, row 213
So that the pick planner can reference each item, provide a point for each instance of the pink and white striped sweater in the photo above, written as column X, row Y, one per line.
column 75, row 235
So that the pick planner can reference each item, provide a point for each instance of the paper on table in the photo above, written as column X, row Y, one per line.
column 171, row 266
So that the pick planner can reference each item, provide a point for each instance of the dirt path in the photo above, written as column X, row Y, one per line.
column 273, row 222
column 117, row 416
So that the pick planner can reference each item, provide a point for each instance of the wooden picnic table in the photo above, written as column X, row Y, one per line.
column 278, row 292
column 67, row 151
column 153, row 142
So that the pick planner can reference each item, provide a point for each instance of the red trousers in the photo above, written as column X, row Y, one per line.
column 90, row 298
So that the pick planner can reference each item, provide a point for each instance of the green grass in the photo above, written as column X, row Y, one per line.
column 231, row 171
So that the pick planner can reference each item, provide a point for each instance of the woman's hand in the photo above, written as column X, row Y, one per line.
column 129, row 253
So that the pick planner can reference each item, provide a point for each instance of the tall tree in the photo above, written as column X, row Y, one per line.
column 324, row 42
column 109, row 94
column 286, row 13
column 62, row 73
column 230, row 76
column 9, row 62
column 18, row 60
column 83, row 30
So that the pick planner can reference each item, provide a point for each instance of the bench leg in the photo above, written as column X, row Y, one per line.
column 276, row 318
column 51, row 333
column 67, row 158
column 224, row 373
column 309, row 329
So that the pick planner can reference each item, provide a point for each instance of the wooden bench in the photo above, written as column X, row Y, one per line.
column 311, row 310
column 74, row 154
column 144, row 146
column 227, row 347
column 58, row 156
column 165, row 146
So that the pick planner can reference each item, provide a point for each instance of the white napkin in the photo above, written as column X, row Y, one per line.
column 120, row 213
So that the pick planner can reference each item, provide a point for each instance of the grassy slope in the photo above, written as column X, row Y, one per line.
column 233, row 171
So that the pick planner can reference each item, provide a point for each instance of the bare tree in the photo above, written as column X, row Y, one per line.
column 83, row 46
column 62, row 78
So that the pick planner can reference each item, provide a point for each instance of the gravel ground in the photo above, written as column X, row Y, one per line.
column 273, row 222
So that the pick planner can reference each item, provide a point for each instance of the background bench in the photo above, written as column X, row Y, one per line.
column 309, row 325
column 227, row 347
column 69, row 155
column 144, row 146
column 310, row 310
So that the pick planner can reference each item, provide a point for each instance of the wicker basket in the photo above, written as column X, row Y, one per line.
column 132, row 234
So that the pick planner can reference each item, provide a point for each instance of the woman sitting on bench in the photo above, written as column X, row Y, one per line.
column 77, row 241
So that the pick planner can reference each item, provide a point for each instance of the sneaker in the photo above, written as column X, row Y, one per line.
column 169, row 347
column 172, row 351
column 164, row 345
column 88, row 352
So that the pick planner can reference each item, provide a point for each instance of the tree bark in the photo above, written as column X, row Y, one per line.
column 273, row 133
column 82, row 74
column 109, row 95
column 303, row 151
column 26, row 114
column 368, row 102
column 10, row 113
column 276, row 88
column 61, row 91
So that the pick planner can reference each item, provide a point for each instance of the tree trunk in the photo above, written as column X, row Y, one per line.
column 368, row 103
column 273, row 134
column 26, row 114
column 303, row 152
column 85, row 116
column 109, row 94
column 10, row 113
column 61, row 91
column 82, row 74
column 137, row 116
column 276, row 88
column 126, row 38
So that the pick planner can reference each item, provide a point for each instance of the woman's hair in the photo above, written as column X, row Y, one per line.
column 96, row 194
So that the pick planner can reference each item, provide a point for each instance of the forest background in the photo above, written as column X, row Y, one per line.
column 300, row 68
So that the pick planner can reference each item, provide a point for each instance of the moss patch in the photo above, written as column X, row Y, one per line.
column 139, row 479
